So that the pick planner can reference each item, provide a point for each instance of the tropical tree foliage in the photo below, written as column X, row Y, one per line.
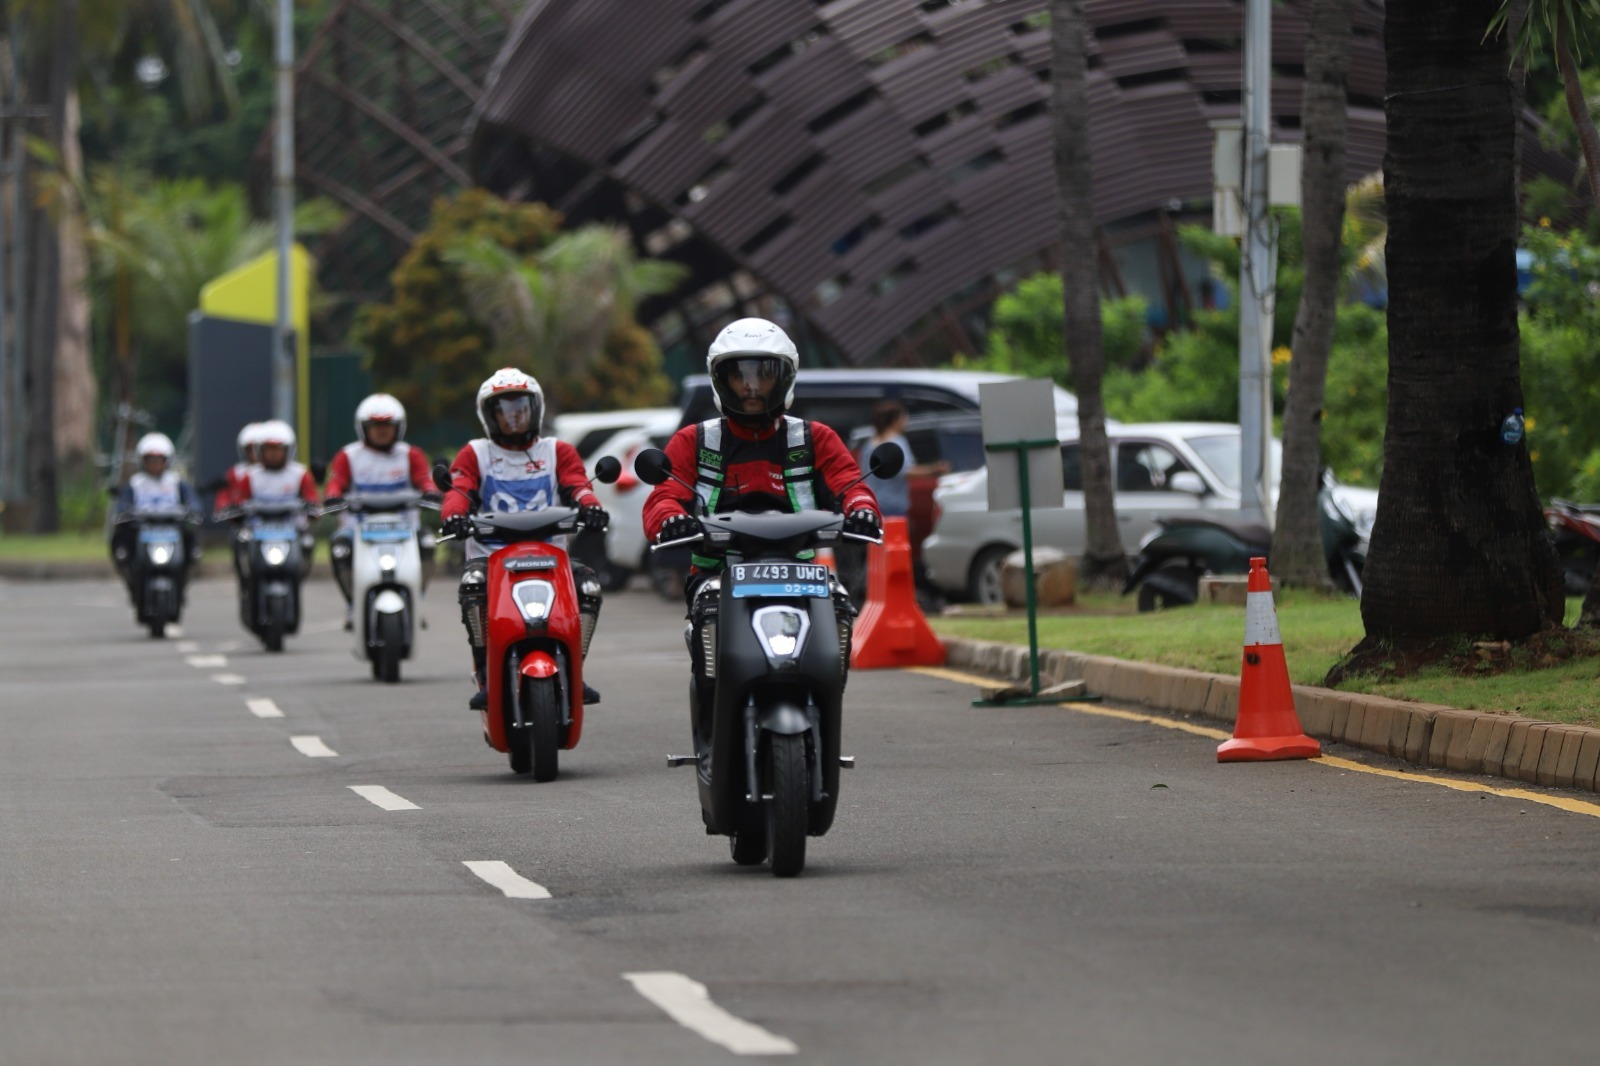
column 491, row 283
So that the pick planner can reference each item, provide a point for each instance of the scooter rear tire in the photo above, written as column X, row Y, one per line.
column 789, row 810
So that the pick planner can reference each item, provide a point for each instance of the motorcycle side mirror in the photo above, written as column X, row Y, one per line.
column 652, row 466
column 608, row 469
column 1187, row 481
column 886, row 460
column 441, row 476
column 112, row 490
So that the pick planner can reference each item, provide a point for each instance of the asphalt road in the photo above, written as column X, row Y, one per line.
column 184, row 881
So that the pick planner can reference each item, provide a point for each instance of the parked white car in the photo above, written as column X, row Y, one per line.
column 626, row 546
column 588, row 430
column 1157, row 468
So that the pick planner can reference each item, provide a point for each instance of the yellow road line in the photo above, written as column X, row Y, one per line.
column 1572, row 806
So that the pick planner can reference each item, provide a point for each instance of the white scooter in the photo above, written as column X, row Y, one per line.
column 385, row 577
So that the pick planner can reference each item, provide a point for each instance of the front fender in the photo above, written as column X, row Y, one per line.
column 388, row 601
column 784, row 718
column 538, row 664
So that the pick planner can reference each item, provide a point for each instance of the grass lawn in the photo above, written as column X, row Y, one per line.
column 54, row 547
column 1317, row 631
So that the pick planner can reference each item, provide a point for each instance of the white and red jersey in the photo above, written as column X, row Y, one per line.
column 290, row 481
column 366, row 469
column 545, row 474
column 230, row 493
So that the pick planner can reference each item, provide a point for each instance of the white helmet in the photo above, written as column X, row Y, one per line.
column 154, row 444
column 499, row 393
column 276, row 431
column 756, row 350
column 383, row 409
column 246, row 440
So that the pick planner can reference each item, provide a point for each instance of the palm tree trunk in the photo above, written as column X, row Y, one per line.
column 1297, row 555
column 75, row 391
column 1459, row 548
column 45, row 264
column 1104, row 560
column 1578, row 107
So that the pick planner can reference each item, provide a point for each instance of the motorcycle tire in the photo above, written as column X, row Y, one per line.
column 272, row 631
column 158, row 628
column 386, row 657
column 789, row 810
column 1169, row 587
column 537, row 747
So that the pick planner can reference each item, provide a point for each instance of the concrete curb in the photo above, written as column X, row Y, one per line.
column 1424, row 734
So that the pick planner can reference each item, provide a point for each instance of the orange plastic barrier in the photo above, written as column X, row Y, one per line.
column 1267, row 726
column 892, row 630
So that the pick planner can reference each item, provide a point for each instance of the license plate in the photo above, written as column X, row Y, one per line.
column 385, row 531
column 779, row 579
column 158, row 535
column 276, row 533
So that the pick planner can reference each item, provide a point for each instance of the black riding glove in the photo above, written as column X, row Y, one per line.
column 678, row 527
column 593, row 516
column 459, row 526
column 863, row 522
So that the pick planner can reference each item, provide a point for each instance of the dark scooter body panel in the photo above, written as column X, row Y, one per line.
column 785, row 694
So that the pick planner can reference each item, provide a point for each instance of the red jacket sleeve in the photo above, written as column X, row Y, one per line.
column 572, row 477
column 308, row 489
column 421, row 477
column 464, row 479
column 838, row 468
column 670, row 498
column 338, row 475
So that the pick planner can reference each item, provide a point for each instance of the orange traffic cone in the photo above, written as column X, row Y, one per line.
column 892, row 630
column 1267, row 727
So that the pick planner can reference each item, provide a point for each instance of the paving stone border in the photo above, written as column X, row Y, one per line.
column 1425, row 734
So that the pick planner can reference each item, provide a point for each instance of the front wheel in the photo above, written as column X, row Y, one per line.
column 983, row 582
column 391, row 636
column 537, row 745
column 276, row 623
column 789, row 809
column 1169, row 587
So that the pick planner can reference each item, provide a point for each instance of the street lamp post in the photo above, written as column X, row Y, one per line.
column 1256, row 267
column 283, row 355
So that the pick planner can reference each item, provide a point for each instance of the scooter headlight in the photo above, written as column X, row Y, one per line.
column 160, row 554
column 534, row 598
column 781, row 630
column 275, row 554
column 387, row 561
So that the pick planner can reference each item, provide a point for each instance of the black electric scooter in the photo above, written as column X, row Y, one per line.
column 158, row 570
column 772, row 634
column 274, row 556
column 1186, row 546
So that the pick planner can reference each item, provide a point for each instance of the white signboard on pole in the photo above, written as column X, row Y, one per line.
column 1021, row 412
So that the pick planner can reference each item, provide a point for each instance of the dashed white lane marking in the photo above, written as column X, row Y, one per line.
column 312, row 746
column 205, row 662
column 381, row 796
column 689, row 1004
column 227, row 679
column 507, row 880
column 185, row 647
column 263, row 708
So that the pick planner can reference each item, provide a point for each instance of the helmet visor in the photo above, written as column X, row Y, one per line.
column 512, row 414
column 751, row 375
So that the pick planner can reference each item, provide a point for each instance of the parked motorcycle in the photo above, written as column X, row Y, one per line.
column 773, row 631
column 535, row 637
column 274, row 556
column 386, row 578
column 1186, row 546
column 158, row 570
column 1575, row 527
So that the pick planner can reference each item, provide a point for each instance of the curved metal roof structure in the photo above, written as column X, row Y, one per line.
column 867, row 159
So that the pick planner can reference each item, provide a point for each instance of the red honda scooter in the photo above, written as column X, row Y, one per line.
column 535, row 638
